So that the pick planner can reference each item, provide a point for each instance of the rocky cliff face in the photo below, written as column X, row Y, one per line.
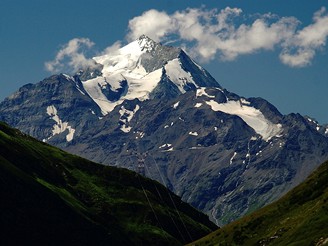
column 147, row 103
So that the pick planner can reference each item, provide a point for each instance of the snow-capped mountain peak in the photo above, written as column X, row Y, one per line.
column 127, row 58
column 146, row 43
column 143, row 69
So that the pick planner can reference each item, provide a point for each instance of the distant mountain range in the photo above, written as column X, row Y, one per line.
column 225, row 154
column 49, row 197
column 298, row 218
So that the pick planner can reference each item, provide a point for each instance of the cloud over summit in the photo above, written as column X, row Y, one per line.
column 209, row 34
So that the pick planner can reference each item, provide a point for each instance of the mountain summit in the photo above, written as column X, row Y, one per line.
column 223, row 153
column 143, row 69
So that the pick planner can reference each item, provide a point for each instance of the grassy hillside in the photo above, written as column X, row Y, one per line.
column 298, row 218
column 49, row 197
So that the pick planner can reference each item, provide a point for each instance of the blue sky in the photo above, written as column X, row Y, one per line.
column 289, row 69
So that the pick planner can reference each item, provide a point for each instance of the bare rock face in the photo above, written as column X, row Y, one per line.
column 224, row 154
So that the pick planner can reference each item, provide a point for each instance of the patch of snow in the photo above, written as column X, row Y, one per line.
column 139, row 86
column 252, row 117
column 128, row 113
column 318, row 127
column 196, row 147
column 193, row 133
column 60, row 126
column 165, row 146
column 166, row 126
column 244, row 101
column 125, row 128
column 139, row 134
column 233, row 156
column 201, row 92
column 312, row 120
column 68, row 77
column 126, row 117
column 168, row 145
column 197, row 105
column 176, row 105
column 177, row 75
column 70, row 135
column 259, row 152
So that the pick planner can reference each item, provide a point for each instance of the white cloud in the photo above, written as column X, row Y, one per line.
column 207, row 34
column 300, row 58
column 152, row 23
column 247, row 39
column 315, row 35
column 300, row 49
column 71, row 56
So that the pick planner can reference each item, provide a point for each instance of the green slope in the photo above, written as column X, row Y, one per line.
column 298, row 218
column 49, row 197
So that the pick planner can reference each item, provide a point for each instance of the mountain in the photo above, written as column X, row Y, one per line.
column 50, row 197
column 225, row 154
column 298, row 218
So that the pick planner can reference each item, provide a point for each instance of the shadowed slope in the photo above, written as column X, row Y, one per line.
column 51, row 197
